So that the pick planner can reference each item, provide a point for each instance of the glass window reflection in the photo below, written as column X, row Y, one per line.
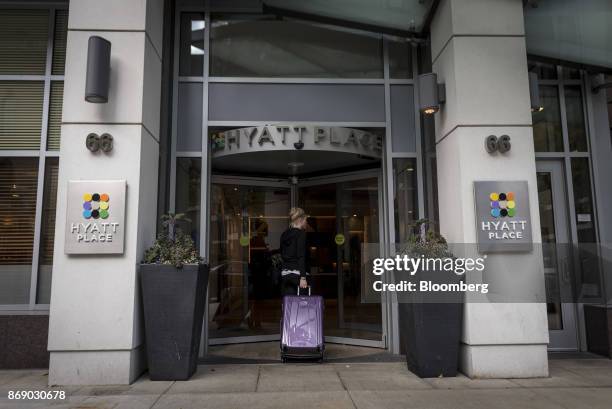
column 265, row 47
column 543, row 70
column 400, row 59
column 47, row 233
column 575, row 119
column 581, row 180
column 547, row 132
column 404, row 197
column 188, row 185
column 191, row 53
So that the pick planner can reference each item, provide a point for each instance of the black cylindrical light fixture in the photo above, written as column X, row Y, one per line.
column 98, row 70
column 534, row 93
column 429, row 101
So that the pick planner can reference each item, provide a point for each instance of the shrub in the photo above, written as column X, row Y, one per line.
column 172, row 245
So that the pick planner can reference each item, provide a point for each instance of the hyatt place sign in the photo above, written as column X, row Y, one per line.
column 503, row 222
column 296, row 137
column 95, row 217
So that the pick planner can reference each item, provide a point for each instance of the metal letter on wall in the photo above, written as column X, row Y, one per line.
column 503, row 220
column 95, row 217
column 283, row 137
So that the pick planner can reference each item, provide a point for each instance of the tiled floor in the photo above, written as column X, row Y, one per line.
column 573, row 384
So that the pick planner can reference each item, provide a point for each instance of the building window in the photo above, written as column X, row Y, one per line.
column 31, row 95
column 560, row 132
column 21, row 112
column 56, row 97
column 400, row 59
column 191, row 63
column 45, row 257
column 404, row 197
column 188, row 185
column 560, row 126
column 18, row 190
column 261, row 46
column 59, row 42
column 547, row 133
column 23, row 41
column 574, row 111
column 560, row 135
column 583, row 200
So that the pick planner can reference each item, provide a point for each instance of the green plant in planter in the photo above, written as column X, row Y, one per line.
column 172, row 245
column 425, row 241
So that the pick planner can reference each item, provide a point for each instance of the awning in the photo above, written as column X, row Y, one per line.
column 408, row 16
column 578, row 31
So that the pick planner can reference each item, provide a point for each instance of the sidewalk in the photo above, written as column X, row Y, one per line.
column 574, row 384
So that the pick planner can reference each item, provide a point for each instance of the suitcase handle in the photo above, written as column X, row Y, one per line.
column 299, row 288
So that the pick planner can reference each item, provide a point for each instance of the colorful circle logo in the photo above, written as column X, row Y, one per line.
column 96, row 206
column 503, row 204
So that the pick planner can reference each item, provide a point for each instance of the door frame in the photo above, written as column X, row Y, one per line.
column 243, row 181
column 566, row 339
column 284, row 182
column 347, row 177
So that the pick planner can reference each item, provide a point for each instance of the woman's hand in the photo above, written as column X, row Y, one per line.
column 303, row 283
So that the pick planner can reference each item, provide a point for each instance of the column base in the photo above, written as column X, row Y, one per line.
column 504, row 361
column 96, row 367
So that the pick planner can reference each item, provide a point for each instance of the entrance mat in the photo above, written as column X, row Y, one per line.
column 268, row 352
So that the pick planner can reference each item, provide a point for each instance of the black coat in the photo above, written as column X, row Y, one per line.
column 293, row 250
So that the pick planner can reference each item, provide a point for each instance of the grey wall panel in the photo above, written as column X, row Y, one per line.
column 403, row 131
column 296, row 102
column 189, row 123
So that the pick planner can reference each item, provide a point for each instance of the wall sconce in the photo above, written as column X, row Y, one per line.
column 534, row 93
column 98, row 70
column 431, row 94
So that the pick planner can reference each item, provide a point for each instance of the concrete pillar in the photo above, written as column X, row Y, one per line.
column 95, row 330
column 478, row 51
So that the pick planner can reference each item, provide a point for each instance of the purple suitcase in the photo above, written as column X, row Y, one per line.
column 302, row 327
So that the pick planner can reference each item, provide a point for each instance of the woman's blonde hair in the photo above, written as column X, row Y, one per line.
column 296, row 216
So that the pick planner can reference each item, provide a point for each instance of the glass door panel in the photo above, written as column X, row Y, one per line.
column 343, row 215
column 246, row 222
column 556, row 253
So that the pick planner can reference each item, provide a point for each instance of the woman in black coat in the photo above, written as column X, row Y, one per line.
column 293, row 252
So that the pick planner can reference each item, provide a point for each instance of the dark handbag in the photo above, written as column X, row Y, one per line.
column 276, row 266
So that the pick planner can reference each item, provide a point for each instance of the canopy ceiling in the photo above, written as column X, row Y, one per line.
column 578, row 31
column 401, row 15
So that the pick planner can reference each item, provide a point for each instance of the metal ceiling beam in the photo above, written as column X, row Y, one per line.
column 341, row 22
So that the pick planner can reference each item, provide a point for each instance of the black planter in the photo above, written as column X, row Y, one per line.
column 432, row 336
column 598, row 323
column 173, row 301
column 431, row 332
